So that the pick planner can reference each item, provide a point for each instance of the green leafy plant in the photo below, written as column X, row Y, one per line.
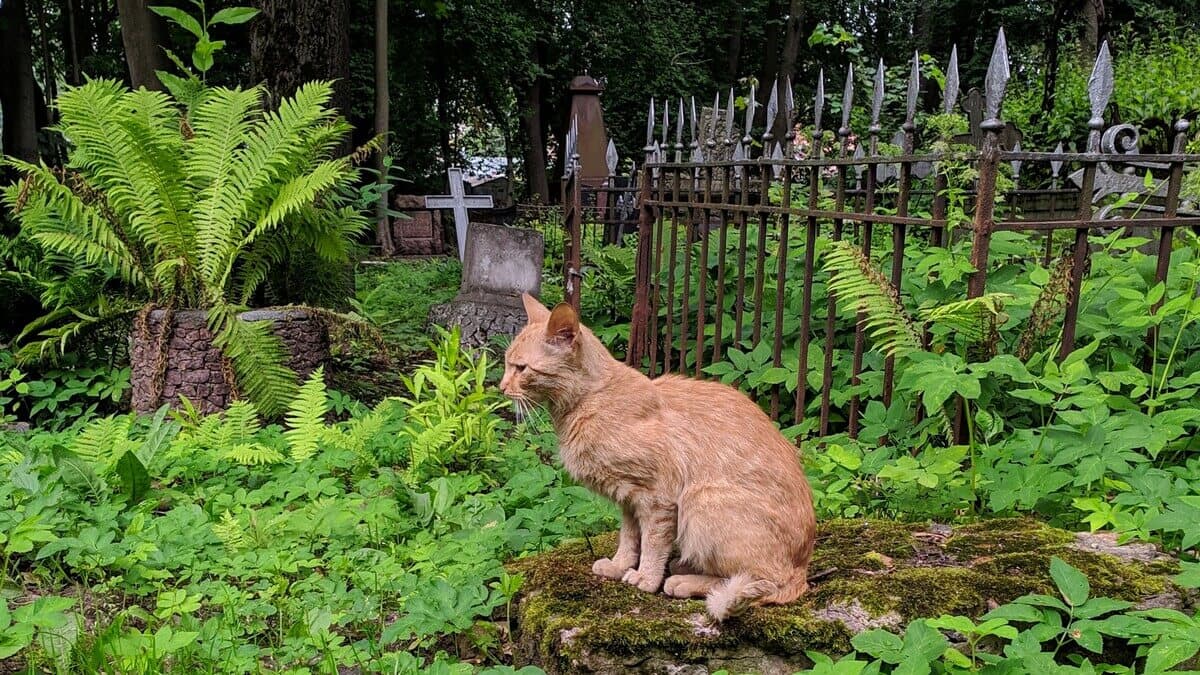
column 191, row 212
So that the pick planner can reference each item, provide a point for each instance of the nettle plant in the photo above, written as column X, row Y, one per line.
column 190, row 208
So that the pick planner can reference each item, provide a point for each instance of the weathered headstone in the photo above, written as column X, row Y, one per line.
column 500, row 264
column 421, row 232
column 458, row 201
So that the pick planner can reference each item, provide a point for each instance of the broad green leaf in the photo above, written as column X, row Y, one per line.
column 180, row 17
column 1168, row 653
column 234, row 15
column 1072, row 583
column 878, row 643
column 135, row 480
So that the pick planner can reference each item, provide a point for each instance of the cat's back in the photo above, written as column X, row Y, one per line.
column 711, row 402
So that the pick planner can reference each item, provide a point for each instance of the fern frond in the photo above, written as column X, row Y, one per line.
column 860, row 288
column 257, row 355
column 251, row 454
column 975, row 318
column 57, row 218
column 427, row 443
column 221, row 125
column 103, row 441
column 121, row 146
column 306, row 417
column 231, row 533
column 241, row 421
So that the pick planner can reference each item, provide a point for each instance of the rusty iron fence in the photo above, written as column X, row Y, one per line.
column 711, row 214
column 601, row 211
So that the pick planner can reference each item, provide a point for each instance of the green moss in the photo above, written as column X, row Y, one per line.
column 896, row 571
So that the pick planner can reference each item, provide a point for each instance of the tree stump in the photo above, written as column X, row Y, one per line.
column 194, row 367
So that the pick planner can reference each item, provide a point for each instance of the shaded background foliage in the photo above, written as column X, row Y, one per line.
column 489, row 77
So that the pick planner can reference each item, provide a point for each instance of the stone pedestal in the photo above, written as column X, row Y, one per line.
column 874, row 574
column 500, row 264
column 194, row 367
column 421, row 232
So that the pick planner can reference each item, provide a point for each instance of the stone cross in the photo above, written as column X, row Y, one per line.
column 458, row 202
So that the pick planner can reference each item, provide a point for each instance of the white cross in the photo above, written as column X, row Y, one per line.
column 458, row 202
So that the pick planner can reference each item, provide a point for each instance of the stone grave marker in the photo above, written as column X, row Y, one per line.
column 500, row 263
column 421, row 232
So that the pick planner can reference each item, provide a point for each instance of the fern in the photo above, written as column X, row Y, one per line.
column 426, row 443
column 975, row 319
column 103, row 441
column 306, row 417
column 191, row 213
column 251, row 454
column 860, row 288
column 241, row 421
column 231, row 533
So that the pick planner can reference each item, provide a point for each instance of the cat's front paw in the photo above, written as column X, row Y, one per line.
column 643, row 580
column 608, row 569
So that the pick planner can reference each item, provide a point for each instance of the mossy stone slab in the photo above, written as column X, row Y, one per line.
column 872, row 573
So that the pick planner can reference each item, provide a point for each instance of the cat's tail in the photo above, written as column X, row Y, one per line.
column 734, row 595
column 739, row 592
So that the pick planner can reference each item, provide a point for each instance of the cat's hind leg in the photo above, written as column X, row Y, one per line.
column 690, row 585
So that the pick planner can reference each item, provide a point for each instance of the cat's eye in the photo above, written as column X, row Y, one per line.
column 519, row 367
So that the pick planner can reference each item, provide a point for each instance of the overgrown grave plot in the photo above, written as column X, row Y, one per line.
column 870, row 576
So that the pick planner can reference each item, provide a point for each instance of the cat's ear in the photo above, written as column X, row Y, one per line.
column 563, row 326
column 534, row 310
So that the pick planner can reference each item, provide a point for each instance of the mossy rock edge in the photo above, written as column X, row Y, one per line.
column 876, row 574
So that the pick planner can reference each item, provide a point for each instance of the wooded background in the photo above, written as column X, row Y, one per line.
column 488, row 77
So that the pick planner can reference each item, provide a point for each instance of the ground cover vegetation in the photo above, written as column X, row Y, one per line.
column 367, row 517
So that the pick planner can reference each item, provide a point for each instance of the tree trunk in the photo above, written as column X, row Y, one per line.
column 535, row 151
column 72, row 42
column 383, row 230
column 735, row 46
column 441, row 77
column 1092, row 12
column 18, row 90
column 1050, row 82
column 787, row 64
column 297, row 41
column 144, row 36
column 770, row 65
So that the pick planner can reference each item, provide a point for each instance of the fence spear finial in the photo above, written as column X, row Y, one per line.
column 712, row 124
column 772, row 114
column 650, row 126
column 995, row 84
column 729, row 119
column 695, row 135
column 877, row 99
column 819, row 106
column 910, row 99
column 847, row 102
column 789, row 104
column 1100, row 88
column 751, row 106
column 1016, row 163
column 950, row 93
column 666, row 124
column 679, row 133
column 1056, row 165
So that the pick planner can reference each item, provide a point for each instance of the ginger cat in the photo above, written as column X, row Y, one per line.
column 692, row 464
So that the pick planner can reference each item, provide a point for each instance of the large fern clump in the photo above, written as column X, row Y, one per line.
column 190, row 206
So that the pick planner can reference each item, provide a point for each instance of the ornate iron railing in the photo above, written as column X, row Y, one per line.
column 714, row 193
